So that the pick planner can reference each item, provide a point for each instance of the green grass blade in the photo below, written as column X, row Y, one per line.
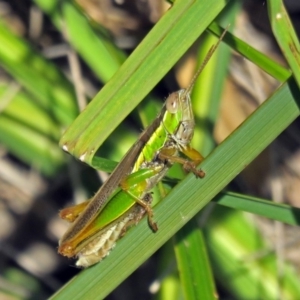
column 167, row 275
column 29, row 132
column 32, row 120
column 193, row 263
column 244, row 263
column 42, row 154
column 285, row 35
column 40, row 77
column 261, row 60
column 23, row 109
column 265, row 208
column 116, row 99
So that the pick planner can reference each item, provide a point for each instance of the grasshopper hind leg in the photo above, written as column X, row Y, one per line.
column 148, row 199
column 71, row 213
column 145, row 203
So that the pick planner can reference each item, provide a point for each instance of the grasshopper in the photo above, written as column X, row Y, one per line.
column 125, row 196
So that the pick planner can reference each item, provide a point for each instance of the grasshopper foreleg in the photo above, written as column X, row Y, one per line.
column 195, row 157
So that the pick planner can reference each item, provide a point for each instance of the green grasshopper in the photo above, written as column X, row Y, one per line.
column 170, row 133
column 125, row 197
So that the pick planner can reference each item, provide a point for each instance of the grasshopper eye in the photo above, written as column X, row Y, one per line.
column 172, row 103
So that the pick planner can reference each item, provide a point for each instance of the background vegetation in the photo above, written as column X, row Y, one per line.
column 56, row 55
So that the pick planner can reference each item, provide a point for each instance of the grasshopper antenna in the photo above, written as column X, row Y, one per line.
column 211, row 51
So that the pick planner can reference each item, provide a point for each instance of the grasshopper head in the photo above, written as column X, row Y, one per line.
column 179, row 108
